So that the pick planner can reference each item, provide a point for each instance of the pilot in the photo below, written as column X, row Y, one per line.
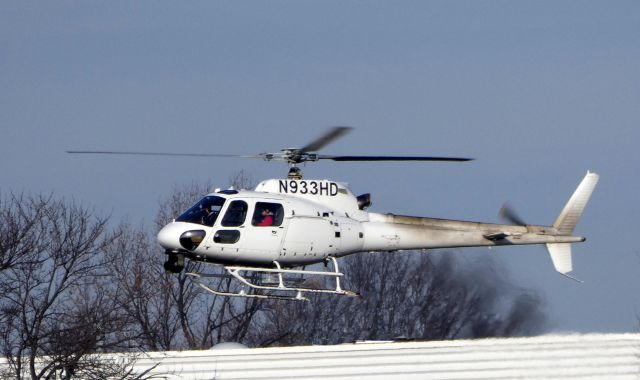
column 267, row 218
column 208, row 216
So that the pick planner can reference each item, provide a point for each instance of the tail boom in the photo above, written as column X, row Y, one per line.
column 388, row 232
column 399, row 232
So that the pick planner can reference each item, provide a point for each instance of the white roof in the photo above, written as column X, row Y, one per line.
column 607, row 356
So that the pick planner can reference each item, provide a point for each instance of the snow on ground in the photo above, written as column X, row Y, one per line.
column 602, row 356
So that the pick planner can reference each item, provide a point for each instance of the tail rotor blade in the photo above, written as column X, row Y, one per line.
column 508, row 213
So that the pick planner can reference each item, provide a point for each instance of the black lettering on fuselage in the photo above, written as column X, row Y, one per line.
column 283, row 187
column 334, row 189
column 308, row 187
column 324, row 188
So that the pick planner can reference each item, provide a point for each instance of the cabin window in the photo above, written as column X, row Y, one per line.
column 226, row 236
column 236, row 214
column 267, row 214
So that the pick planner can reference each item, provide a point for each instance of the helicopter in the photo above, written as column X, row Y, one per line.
column 264, row 238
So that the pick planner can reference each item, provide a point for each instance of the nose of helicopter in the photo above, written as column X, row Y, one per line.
column 169, row 235
column 178, row 235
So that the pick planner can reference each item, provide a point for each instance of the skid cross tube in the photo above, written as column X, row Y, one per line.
column 236, row 273
column 197, row 278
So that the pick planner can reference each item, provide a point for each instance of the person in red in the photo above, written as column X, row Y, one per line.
column 267, row 218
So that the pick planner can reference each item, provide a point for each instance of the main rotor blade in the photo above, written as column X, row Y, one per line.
column 159, row 153
column 331, row 135
column 394, row 158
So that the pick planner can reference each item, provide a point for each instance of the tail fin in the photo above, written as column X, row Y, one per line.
column 572, row 211
column 566, row 222
column 561, row 256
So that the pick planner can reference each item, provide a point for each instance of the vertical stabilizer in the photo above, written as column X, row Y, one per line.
column 566, row 222
column 561, row 256
column 572, row 211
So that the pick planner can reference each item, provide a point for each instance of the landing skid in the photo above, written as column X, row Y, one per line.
column 281, row 289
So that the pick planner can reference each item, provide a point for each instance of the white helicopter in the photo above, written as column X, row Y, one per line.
column 265, row 236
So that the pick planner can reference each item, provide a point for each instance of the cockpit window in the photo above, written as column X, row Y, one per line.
column 204, row 212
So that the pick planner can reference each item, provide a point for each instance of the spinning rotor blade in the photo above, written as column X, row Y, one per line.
column 507, row 212
column 159, row 154
column 393, row 158
column 327, row 138
column 293, row 156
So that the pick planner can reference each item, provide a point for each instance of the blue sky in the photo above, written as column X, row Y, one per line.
column 538, row 92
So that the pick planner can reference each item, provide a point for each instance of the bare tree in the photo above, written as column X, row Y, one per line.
column 403, row 295
column 57, row 302
column 170, row 311
column 242, row 180
column 408, row 295
column 21, row 236
column 144, row 289
column 73, row 289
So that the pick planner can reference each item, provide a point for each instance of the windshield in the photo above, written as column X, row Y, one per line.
column 204, row 212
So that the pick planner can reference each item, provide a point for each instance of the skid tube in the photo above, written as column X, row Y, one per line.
column 291, row 293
